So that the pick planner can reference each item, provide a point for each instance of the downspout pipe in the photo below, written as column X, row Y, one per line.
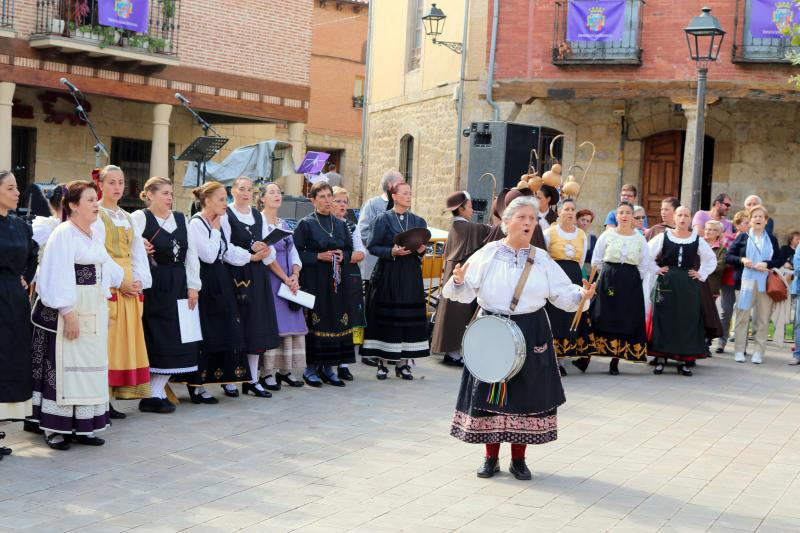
column 365, row 106
column 492, row 53
column 460, row 120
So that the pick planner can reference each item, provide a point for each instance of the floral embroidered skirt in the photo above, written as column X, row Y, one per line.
column 526, row 414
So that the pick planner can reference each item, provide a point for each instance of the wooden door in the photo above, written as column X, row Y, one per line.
column 661, row 176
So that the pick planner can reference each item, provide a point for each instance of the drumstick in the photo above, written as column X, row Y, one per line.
column 577, row 319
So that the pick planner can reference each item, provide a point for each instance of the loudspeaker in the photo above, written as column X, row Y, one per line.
column 502, row 148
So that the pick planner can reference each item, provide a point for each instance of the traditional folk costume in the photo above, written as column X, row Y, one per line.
column 329, row 341
column 569, row 252
column 528, row 414
column 18, row 253
column 618, row 312
column 71, row 377
column 396, row 313
column 251, row 284
column 452, row 317
column 221, row 359
column 167, row 353
column 504, row 198
column 676, row 318
column 128, row 364
column 292, row 327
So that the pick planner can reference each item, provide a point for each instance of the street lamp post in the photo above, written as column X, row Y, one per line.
column 704, row 36
column 433, row 21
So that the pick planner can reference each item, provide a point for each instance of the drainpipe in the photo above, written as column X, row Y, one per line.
column 492, row 51
column 365, row 107
column 457, row 176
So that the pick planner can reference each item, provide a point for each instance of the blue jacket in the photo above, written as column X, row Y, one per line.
column 796, row 266
column 738, row 249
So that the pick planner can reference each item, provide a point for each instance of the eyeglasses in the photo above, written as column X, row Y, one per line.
column 639, row 218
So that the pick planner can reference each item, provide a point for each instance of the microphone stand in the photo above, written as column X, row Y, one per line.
column 99, row 147
column 206, row 127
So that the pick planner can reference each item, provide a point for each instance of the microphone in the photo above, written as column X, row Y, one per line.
column 69, row 85
column 182, row 98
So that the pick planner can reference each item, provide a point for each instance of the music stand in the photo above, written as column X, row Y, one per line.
column 201, row 151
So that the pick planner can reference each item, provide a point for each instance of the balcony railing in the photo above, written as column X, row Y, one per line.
column 79, row 20
column 626, row 51
column 6, row 15
column 748, row 48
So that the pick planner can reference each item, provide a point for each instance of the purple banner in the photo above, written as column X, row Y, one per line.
column 768, row 18
column 313, row 163
column 124, row 14
column 595, row 20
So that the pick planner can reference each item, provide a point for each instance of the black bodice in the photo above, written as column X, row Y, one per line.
column 170, row 248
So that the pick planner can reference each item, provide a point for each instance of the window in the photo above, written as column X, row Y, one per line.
column 133, row 157
column 407, row 157
column 23, row 156
column 358, row 92
column 416, row 33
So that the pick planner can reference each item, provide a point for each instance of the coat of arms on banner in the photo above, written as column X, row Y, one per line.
column 596, row 19
column 123, row 8
column 782, row 15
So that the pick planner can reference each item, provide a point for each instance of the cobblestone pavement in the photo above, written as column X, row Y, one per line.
column 719, row 451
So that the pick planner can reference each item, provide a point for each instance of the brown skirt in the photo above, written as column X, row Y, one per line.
column 711, row 321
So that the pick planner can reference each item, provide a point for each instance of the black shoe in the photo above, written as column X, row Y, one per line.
column 403, row 371
column 683, row 370
column 86, row 440
column 519, row 469
column 32, row 427
column 60, row 445
column 562, row 370
column 613, row 369
column 316, row 383
column 452, row 361
column 659, row 369
column 114, row 414
column 251, row 387
column 265, row 385
column 489, row 468
column 4, row 450
column 330, row 380
column 581, row 364
column 344, row 373
column 719, row 349
column 230, row 393
column 197, row 398
column 369, row 361
column 287, row 378
column 156, row 405
column 382, row 373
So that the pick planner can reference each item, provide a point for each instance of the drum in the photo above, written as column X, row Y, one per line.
column 493, row 348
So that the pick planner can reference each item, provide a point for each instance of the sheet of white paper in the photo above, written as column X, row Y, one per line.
column 303, row 298
column 190, row 322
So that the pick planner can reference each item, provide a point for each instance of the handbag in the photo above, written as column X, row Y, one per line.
column 776, row 287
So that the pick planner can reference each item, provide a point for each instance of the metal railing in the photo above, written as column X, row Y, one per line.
column 80, row 19
column 7, row 14
column 627, row 51
column 749, row 49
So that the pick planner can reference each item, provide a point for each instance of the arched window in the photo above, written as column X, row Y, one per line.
column 407, row 157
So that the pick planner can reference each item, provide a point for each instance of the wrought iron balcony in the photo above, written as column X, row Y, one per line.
column 6, row 17
column 626, row 51
column 74, row 26
column 748, row 48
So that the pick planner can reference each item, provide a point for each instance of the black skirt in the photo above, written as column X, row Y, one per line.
column 397, row 326
column 569, row 343
column 16, row 382
column 222, row 358
column 162, row 331
column 676, row 323
column 354, row 293
column 532, row 396
column 329, row 341
column 256, row 306
column 618, row 326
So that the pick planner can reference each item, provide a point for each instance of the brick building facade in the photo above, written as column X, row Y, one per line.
column 233, row 64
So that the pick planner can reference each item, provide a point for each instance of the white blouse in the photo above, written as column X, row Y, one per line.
column 708, row 260
column 294, row 257
column 69, row 246
column 237, row 255
column 541, row 219
column 169, row 224
column 632, row 250
column 494, row 271
column 42, row 228
column 140, row 265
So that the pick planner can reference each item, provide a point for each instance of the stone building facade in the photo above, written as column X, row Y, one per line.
column 637, row 105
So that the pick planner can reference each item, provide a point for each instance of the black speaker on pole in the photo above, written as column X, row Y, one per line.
column 503, row 148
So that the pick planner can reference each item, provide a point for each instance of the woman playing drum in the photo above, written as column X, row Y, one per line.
column 524, row 411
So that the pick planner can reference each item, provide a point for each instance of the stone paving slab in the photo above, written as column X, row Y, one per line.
column 716, row 452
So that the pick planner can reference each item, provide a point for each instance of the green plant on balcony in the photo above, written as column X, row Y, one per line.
column 138, row 40
column 168, row 8
column 156, row 44
column 108, row 36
